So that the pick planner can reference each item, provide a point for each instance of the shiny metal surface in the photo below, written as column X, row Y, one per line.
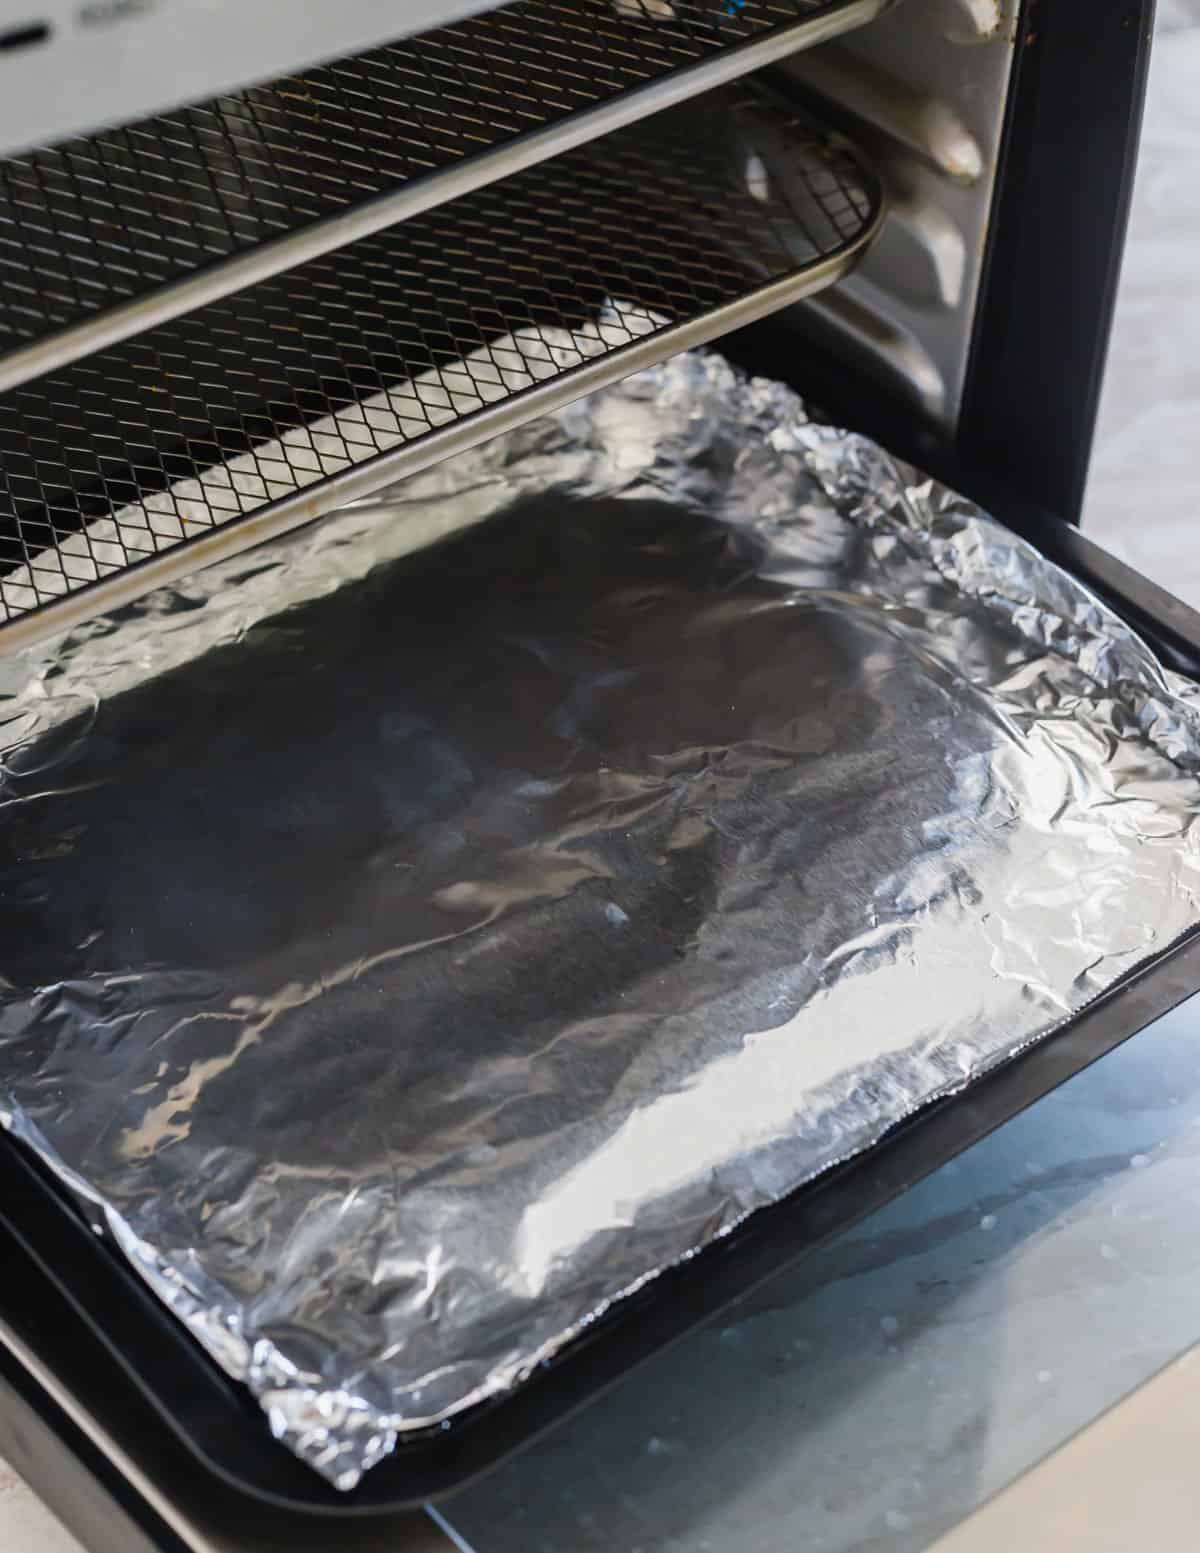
column 925, row 89
column 408, row 958
column 264, row 410
column 307, row 183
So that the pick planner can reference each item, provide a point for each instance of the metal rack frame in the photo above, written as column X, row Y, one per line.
column 239, row 190
column 205, row 436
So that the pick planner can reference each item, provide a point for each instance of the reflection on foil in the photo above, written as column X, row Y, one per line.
column 409, row 954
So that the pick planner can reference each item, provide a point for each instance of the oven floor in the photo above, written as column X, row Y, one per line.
column 939, row 1345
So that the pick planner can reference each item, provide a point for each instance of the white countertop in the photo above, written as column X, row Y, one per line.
column 25, row 1525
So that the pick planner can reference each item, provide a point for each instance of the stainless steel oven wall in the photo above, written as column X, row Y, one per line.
column 924, row 89
column 68, row 67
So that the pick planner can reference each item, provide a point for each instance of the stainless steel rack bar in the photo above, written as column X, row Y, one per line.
column 202, row 437
column 105, row 236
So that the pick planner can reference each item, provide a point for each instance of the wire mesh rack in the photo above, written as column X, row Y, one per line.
column 106, row 235
column 263, row 410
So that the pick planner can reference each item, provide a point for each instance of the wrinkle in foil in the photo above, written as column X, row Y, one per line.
column 407, row 955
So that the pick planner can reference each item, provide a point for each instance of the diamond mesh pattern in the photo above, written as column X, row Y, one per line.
column 98, row 221
column 388, row 342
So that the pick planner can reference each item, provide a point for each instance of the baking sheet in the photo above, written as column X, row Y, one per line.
column 405, row 956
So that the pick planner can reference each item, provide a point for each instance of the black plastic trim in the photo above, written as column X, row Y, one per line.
column 1058, row 225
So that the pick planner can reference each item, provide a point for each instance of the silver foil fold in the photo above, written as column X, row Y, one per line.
column 408, row 955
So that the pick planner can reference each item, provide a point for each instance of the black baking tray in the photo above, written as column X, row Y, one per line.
column 214, row 1420
column 225, row 1433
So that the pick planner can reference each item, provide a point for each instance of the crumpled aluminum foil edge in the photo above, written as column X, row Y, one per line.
column 698, row 433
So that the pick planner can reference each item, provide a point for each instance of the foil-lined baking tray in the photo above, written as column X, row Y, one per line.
column 407, row 955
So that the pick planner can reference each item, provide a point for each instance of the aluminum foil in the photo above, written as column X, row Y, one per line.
column 406, row 956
